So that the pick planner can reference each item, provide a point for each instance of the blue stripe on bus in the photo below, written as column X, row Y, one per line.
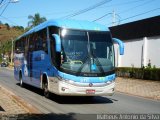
column 86, row 79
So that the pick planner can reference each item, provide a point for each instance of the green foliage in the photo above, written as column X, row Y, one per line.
column 35, row 20
column 147, row 73
column 6, row 47
column 8, row 27
column 20, row 28
column 0, row 58
column 27, row 29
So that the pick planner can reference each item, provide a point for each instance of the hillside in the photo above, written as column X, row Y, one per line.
column 7, row 34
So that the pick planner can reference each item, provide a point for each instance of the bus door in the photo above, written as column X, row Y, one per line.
column 34, row 59
column 30, row 58
column 37, row 61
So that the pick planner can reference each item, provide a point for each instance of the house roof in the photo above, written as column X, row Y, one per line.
column 138, row 29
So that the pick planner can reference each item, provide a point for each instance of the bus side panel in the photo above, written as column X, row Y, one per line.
column 41, row 64
column 18, row 63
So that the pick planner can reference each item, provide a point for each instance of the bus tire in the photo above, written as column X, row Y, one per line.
column 46, row 91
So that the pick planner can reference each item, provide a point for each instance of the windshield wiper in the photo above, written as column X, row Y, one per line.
column 88, row 58
column 98, row 63
column 84, row 63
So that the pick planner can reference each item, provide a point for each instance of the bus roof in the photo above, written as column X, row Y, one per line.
column 68, row 24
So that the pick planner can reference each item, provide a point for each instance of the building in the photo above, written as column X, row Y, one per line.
column 142, row 43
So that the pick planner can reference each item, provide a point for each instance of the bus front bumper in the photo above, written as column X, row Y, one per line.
column 67, row 89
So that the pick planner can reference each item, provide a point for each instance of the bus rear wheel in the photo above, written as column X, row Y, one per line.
column 46, row 91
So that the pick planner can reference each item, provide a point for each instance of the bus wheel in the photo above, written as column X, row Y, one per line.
column 46, row 92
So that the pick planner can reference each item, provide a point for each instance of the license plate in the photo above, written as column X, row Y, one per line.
column 90, row 91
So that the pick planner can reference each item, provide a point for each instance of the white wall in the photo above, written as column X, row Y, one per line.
column 154, row 51
column 138, row 52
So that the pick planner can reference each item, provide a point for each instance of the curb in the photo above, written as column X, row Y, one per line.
column 140, row 96
column 10, row 68
column 28, row 107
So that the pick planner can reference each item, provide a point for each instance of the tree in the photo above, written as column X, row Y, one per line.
column 35, row 20
column 21, row 28
column 7, row 25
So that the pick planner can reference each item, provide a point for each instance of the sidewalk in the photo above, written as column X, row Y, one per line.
column 143, row 88
column 11, row 106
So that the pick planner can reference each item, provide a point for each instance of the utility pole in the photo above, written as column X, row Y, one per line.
column 113, row 18
column 12, row 53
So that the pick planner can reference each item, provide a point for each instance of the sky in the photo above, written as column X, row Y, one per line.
column 120, row 11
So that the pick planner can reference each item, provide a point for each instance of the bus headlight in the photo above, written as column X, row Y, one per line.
column 65, row 80
column 110, row 81
column 70, row 81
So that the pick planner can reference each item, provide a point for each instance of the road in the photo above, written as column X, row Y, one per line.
column 72, row 108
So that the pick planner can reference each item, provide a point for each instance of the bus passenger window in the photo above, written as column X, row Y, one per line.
column 31, row 45
column 45, row 46
column 38, row 45
column 19, row 47
column 41, row 42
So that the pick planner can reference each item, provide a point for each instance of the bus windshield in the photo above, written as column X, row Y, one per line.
column 87, row 52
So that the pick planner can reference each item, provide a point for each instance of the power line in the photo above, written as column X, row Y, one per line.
column 4, row 2
column 124, row 11
column 9, row 20
column 4, row 8
column 1, row 2
column 87, row 9
column 140, row 14
column 136, row 6
column 25, row 16
column 124, row 3
column 137, row 15
column 102, row 17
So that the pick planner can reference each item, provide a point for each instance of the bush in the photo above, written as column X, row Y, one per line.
column 139, row 73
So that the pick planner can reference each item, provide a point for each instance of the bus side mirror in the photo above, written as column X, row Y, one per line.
column 121, row 45
column 58, row 42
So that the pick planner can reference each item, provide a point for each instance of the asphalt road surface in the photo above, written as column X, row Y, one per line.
column 72, row 108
